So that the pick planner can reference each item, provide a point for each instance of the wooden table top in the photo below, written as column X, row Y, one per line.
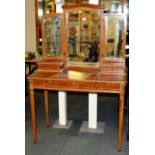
column 77, row 76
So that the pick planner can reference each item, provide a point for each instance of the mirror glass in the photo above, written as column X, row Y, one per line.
column 53, row 34
column 114, row 25
column 45, row 6
column 83, row 30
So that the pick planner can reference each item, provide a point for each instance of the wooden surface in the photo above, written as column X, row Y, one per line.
column 77, row 81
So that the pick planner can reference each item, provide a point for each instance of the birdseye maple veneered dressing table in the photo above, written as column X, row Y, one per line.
column 83, row 51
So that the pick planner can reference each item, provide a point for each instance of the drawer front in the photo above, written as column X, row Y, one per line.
column 113, row 69
column 82, row 86
column 48, row 67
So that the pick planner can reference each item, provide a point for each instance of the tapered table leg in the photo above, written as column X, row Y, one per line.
column 46, row 107
column 121, row 121
column 33, row 115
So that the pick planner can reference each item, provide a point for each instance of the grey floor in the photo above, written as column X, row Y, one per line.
column 51, row 141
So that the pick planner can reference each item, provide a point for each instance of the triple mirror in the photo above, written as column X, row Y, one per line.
column 83, row 36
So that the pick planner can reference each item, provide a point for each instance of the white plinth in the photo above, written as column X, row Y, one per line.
column 86, row 129
column 58, row 125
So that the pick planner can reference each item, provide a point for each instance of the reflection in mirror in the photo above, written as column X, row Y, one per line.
column 53, row 26
column 114, row 37
column 83, row 36
column 45, row 6
column 111, row 6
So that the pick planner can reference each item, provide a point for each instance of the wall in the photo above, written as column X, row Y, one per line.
column 30, row 31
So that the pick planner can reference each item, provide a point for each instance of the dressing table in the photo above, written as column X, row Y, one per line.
column 96, row 63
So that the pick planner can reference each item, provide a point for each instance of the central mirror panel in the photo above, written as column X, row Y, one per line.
column 83, row 37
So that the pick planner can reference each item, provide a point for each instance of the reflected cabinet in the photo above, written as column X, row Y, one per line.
column 52, row 35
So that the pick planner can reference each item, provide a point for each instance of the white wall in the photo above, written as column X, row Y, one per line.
column 30, row 31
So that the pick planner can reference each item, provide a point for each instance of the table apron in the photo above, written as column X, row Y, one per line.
column 80, row 86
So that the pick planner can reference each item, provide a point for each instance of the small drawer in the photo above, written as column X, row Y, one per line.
column 113, row 69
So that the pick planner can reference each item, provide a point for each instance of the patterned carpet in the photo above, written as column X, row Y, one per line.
column 51, row 141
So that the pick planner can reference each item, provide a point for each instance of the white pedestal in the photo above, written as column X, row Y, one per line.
column 62, row 108
column 92, row 114
column 58, row 125
column 99, row 130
